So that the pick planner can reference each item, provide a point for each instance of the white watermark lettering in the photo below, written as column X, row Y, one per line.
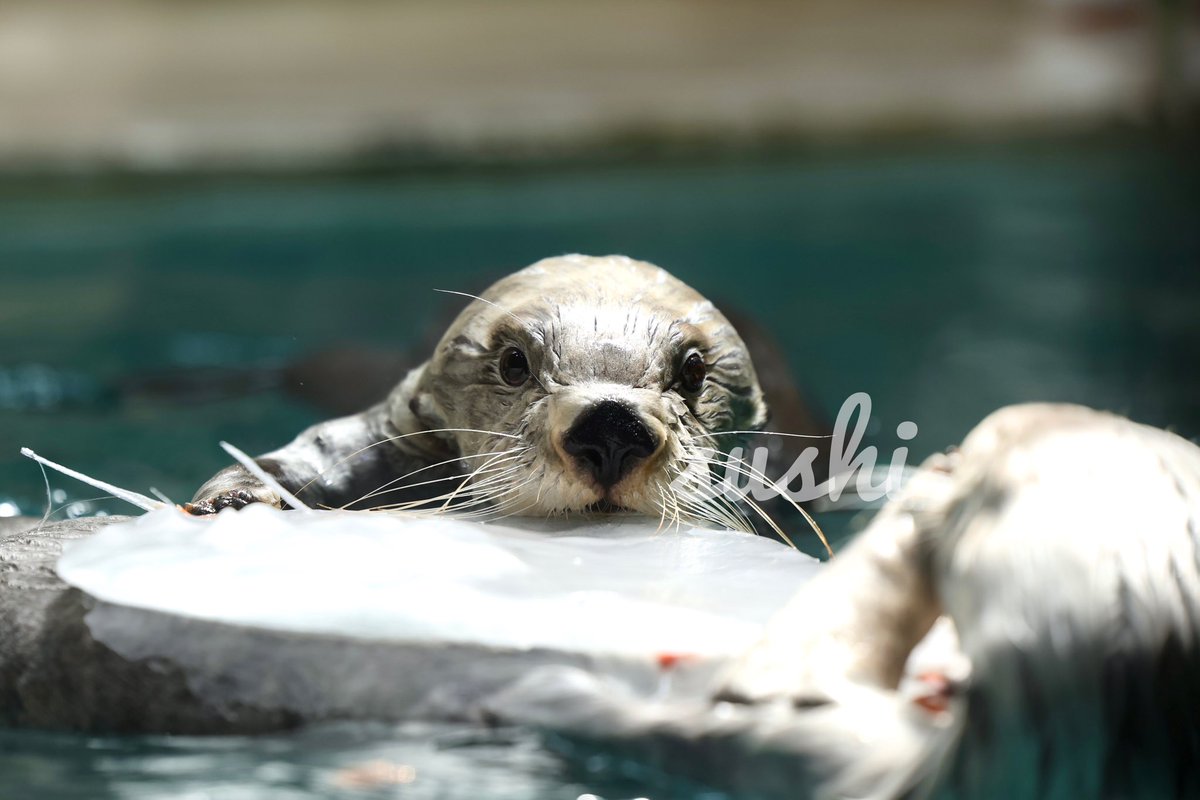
column 745, row 473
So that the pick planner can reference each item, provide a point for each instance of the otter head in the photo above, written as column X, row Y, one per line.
column 587, row 384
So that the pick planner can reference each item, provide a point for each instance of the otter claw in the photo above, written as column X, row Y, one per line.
column 235, row 498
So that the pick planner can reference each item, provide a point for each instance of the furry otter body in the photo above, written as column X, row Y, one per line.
column 575, row 384
column 1062, row 543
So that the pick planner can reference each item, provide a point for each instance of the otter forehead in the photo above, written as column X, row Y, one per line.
column 597, row 281
column 617, row 342
column 607, row 318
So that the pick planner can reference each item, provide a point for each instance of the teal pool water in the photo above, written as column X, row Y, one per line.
column 372, row 762
column 944, row 283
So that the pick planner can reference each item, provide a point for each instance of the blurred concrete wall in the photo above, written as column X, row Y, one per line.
column 168, row 84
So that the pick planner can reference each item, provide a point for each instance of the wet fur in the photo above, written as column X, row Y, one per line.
column 593, row 328
column 1062, row 543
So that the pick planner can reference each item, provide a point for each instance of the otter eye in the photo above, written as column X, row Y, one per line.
column 514, row 366
column 691, row 375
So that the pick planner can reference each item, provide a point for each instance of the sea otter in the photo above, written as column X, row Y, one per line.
column 578, row 384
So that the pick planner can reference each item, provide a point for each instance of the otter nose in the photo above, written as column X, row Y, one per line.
column 608, row 440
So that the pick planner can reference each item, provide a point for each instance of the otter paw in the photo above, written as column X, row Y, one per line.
column 234, row 498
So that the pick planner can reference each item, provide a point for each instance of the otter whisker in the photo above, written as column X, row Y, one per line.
column 516, row 513
column 490, row 468
column 680, row 505
column 711, row 434
column 755, row 473
column 508, row 486
column 496, row 508
column 701, row 512
column 524, row 324
column 710, row 507
column 730, row 513
column 470, row 478
column 484, row 469
column 426, row 501
column 662, row 498
column 392, row 439
column 488, row 504
column 481, row 494
column 486, row 497
column 745, row 469
column 753, row 506
column 715, row 505
column 670, row 501
column 390, row 486
column 52, row 511
column 698, row 505
column 489, row 501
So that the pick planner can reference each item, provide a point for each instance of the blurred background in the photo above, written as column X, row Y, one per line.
column 226, row 220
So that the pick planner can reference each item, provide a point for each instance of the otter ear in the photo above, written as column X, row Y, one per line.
column 412, row 406
column 749, row 409
column 762, row 415
column 758, row 413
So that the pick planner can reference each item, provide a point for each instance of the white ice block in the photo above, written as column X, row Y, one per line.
column 618, row 586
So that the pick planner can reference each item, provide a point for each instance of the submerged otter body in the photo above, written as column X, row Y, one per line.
column 578, row 384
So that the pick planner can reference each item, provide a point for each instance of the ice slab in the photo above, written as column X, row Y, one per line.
column 612, row 586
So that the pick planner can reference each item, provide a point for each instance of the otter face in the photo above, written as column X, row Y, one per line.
column 589, row 384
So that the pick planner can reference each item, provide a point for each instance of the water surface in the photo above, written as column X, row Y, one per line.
column 944, row 283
